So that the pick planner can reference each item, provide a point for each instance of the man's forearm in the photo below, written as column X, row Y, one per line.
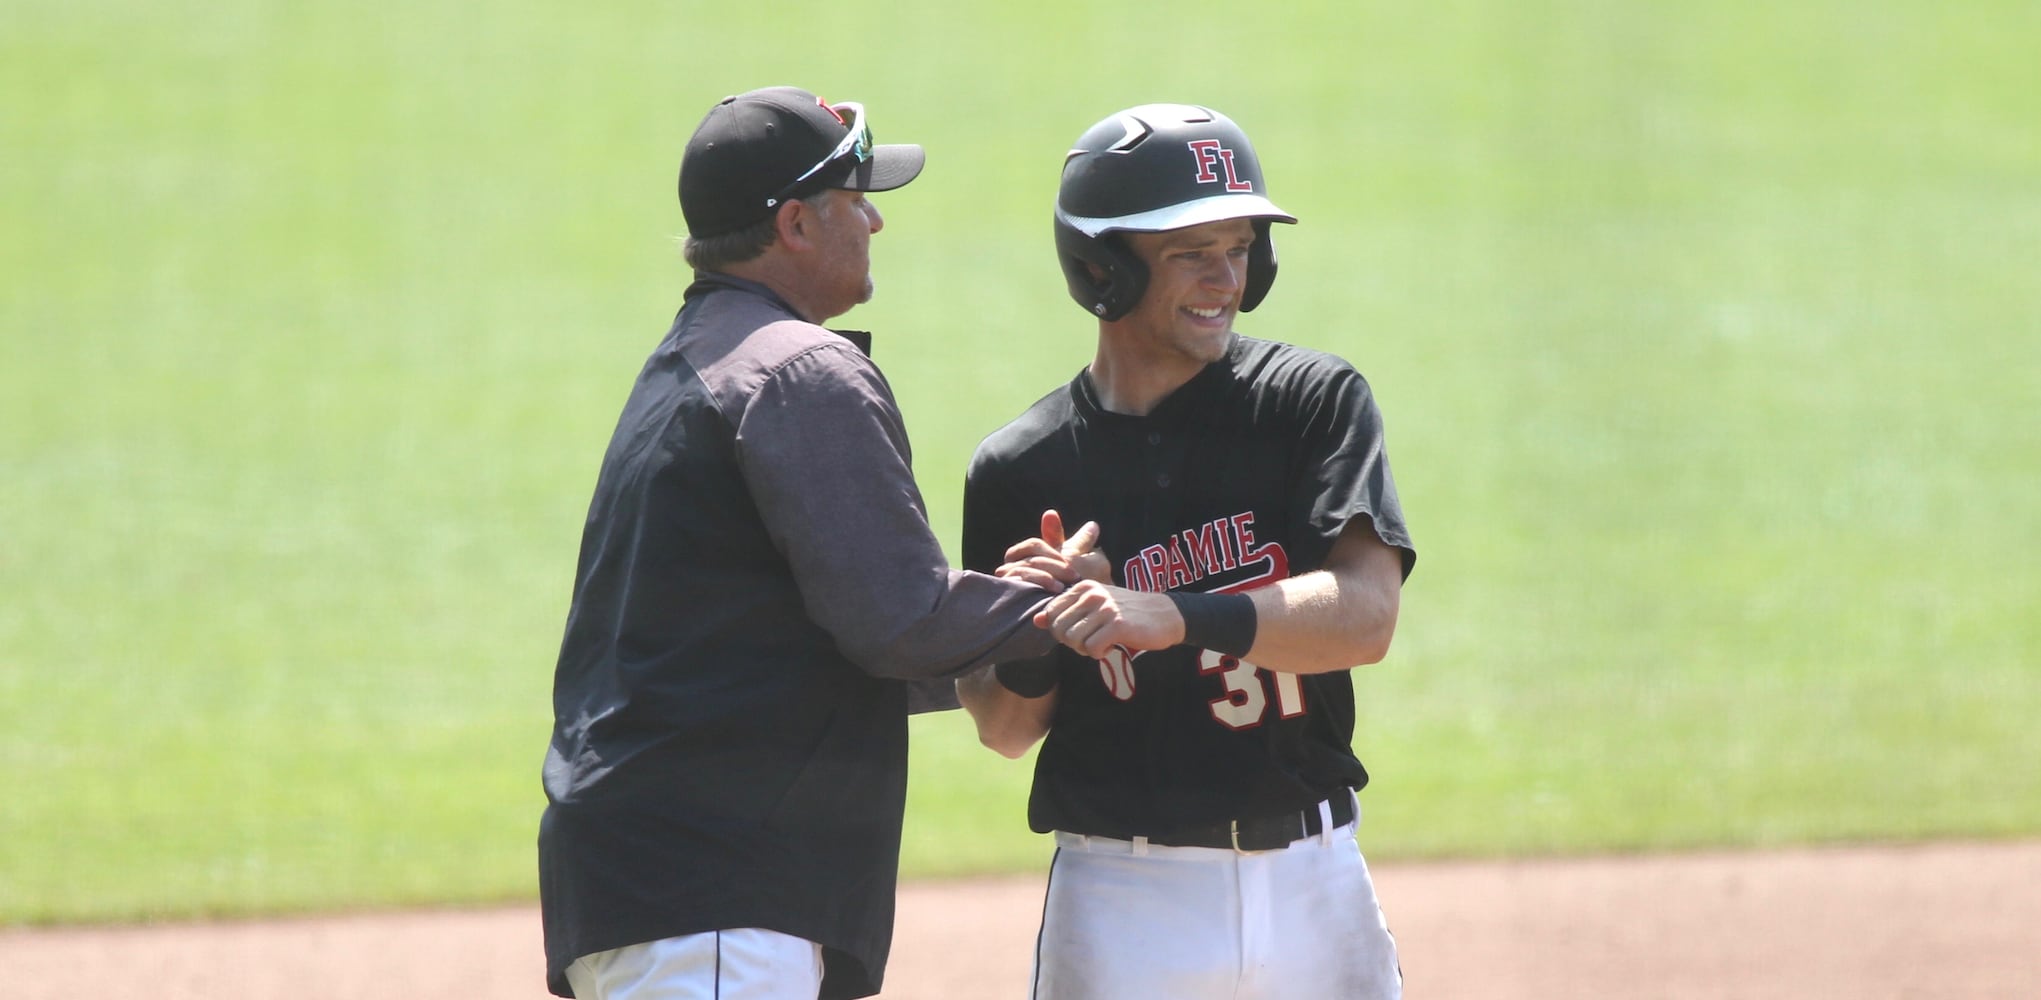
column 1319, row 622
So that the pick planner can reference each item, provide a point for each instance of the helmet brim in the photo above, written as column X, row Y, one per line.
column 1191, row 213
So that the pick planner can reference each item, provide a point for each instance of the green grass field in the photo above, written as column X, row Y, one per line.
column 1709, row 343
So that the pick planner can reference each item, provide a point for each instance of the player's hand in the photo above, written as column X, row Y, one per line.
column 1093, row 617
column 1053, row 562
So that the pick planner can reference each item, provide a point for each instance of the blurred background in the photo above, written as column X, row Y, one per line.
column 1708, row 339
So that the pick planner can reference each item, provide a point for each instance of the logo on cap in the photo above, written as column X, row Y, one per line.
column 1208, row 154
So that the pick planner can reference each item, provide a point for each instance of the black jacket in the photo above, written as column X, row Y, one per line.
column 757, row 579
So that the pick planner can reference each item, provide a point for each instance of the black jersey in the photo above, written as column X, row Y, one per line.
column 1243, row 476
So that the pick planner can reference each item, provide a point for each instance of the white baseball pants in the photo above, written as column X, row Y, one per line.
column 1129, row 919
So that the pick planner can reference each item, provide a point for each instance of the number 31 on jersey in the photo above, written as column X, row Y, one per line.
column 1247, row 700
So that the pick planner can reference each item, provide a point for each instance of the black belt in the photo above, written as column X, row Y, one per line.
column 1264, row 834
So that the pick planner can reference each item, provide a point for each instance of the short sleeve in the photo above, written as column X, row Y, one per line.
column 1345, row 463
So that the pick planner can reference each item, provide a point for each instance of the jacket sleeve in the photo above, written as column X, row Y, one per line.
column 994, row 519
column 825, row 455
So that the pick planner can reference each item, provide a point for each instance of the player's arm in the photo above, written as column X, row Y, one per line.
column 1007, row 722
column 1341, row 616
column 1334, row 618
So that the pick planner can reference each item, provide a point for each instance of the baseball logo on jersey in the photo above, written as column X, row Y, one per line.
column 1208, row 154
column 1116, row 669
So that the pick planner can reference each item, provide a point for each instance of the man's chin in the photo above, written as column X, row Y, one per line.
column 1215, row 349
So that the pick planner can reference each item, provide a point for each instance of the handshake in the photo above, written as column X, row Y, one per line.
column 1089, row 614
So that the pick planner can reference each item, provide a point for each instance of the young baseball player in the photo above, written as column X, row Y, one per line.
column 1201, row 795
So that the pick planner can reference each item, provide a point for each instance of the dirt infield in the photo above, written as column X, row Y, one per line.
column 1947, row 920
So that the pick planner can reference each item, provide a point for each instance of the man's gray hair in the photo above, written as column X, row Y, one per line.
column 717, row 253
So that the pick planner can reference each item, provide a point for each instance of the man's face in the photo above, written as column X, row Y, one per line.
column 1195, row 276
column 843, row 235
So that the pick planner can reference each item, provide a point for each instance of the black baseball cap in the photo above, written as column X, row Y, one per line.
column 759, row 148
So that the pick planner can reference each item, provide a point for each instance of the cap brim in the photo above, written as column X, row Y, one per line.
column 1190, row 213
column 890, row 167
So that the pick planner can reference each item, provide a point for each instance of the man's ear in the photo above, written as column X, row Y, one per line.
column 792, row 219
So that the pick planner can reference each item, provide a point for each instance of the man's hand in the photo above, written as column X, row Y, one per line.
column 1053, row 562
column 1093, row 617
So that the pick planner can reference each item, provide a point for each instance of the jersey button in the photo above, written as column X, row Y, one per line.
column 1154, row 437
column 1162, row 480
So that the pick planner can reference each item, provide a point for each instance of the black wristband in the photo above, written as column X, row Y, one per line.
column 1028, row 678
column 1222, row 623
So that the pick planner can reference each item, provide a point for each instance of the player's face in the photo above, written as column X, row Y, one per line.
column 843, row 233
column 1195, row 277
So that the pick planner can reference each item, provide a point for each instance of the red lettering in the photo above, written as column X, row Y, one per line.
column 1207, row 153
column 1202, row 545
column 1157, row 559
column 1219, row 546
column 1233, row 181
column 1243, row 533
column 1135, row 572
column 1179, row 573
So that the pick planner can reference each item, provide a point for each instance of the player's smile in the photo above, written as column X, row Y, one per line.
column 1209, row 324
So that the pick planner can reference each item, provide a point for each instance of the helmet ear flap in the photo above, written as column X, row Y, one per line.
column 1261, row 267
column 1121, row 277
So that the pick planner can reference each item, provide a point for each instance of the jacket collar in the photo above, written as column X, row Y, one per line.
column 716, row 281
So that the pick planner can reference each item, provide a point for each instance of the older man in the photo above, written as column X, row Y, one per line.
column 757, row 582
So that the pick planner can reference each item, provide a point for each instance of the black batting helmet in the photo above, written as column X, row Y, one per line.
column 1149, row 169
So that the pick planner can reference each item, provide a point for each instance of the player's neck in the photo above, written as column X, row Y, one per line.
column 1136, row 385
